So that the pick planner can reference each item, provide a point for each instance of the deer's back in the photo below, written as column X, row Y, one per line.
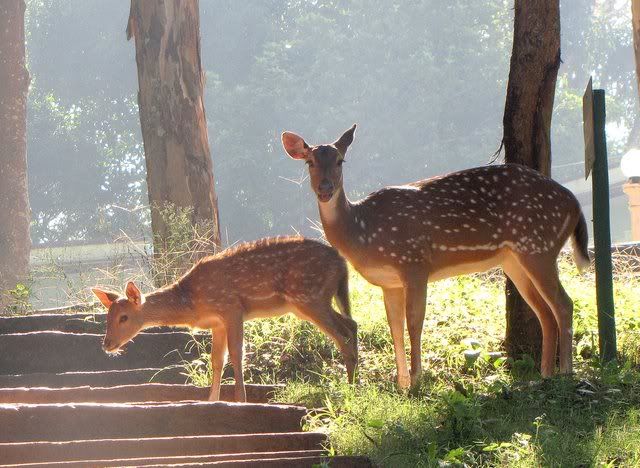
column 286, row 267
column 467, row 217
column 483, row 206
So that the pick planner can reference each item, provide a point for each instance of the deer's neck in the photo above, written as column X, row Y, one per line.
column 340, row 223
column 170, row 306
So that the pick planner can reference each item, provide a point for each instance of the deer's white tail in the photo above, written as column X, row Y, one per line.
column 579, row 242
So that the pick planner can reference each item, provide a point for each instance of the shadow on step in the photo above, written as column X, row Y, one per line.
column 52, row 452
column 151, row 392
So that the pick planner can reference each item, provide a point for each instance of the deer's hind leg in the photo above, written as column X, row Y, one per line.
column 543, row 272
column 415, row 305
column 342, row 330
column 548, row 323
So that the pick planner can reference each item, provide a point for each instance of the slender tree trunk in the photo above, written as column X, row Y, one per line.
column 172, row 115
column 15, row 214
column 535, row 60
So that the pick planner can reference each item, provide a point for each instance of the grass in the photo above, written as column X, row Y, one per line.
column 473, row 407
column 468, row 411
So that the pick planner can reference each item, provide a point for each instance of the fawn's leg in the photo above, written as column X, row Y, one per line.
column 235, row 340
column 416, row 303
column 342, row 330
column 394, row 305
column 218, row 355
column 350, row 332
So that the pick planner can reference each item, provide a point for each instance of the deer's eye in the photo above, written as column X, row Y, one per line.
column 339, row 163
column 123, row 318
column 310, row 163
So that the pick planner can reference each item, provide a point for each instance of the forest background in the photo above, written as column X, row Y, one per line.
column 425, row 81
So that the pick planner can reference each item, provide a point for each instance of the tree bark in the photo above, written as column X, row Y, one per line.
column 634, row 135
column 15, row 214
column 172, row 114
column 535, row 60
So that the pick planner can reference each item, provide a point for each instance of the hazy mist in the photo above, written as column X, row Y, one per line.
column 424, row 80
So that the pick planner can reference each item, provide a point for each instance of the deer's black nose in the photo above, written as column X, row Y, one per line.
column 326, row 186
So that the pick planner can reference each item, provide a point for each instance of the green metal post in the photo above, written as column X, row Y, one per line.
column 602, row 233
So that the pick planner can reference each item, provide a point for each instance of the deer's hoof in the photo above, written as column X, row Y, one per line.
column 404, row 382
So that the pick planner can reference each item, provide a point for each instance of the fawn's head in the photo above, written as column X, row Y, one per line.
column 124, row 318
column 324, row 161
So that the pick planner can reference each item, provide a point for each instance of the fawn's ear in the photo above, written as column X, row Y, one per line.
column 295, row 146
column 133, row 293
column 345, row 140
column 106, row 297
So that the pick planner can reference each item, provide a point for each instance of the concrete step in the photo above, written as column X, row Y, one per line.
column 129, row 394
column 72, row 323
column 75, row 421
column 64, row 322
column 50, row 452
column 56, row 352
column 81, row 407
column 294, row 462
column 180, row 459
column 169, row 375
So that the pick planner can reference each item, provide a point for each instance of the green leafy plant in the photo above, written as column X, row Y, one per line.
column 19, row 299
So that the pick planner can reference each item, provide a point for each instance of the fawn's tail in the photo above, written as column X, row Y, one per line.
column 342, row 294
column 580, row 241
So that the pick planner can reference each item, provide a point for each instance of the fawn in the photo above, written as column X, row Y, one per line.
column 266, row 278
column 402, row 237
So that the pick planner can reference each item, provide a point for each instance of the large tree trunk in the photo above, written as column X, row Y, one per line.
column 15, row 243
column 172, row 115
column 535, row 60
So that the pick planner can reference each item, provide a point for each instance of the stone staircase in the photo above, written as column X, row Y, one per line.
column 64, row 402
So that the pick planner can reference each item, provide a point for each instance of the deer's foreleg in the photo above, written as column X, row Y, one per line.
column 415, row 304
column 218, row 355
column 394, row 305
column 235, row 327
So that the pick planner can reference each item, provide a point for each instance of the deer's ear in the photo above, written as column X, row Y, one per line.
column 106, row 297
column 295, row 146
column 133, row 293
column 345, row 140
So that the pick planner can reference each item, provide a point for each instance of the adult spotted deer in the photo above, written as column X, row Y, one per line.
column 401, row 237
column 266, row 278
